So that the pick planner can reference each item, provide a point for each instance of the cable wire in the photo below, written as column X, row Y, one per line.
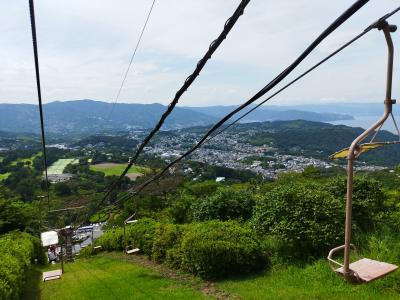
column 39, row 93
column 368, row 29
column 229, row 24
column 130, row 62
column 346, row 15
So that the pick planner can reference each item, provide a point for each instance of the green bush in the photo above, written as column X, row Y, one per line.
column 112, row 239
column 215, row 249
column 224, row 204
column 179, row 210
column 307, row 219
column 209, row 249
column 140, row 235
column 368, row 199
column 17, row 251
column 165, row 237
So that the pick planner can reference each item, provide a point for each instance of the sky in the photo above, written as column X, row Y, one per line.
column 85, row 48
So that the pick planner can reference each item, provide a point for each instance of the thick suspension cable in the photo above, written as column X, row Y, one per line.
column 368, row 29
column 131, row 60
column 229, row 24
column 346, row 15
column 39, row 93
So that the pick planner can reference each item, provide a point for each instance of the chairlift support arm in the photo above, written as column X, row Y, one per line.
column 387, row 30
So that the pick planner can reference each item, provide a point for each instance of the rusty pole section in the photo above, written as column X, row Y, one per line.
column 353, row 151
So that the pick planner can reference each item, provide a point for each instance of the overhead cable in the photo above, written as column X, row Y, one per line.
column 229, row 24
column 368, row 29
column 131, row 60
column 39, row 93
column 338, row 22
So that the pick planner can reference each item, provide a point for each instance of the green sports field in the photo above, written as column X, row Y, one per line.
column 110, row 169
column 59, row 166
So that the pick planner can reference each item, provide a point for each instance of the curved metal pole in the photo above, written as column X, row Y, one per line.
column 387, row 29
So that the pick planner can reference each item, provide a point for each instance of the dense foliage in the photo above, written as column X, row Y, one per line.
column 17, row 252
column 308, row 217
column 303, row 216
column 217, row 249
column 224, row 204
column 209, row 249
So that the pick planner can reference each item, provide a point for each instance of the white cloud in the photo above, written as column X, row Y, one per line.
column 84, row 48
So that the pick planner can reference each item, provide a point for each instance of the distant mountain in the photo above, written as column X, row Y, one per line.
column 88, row 116
column 354, row 109
column 267, row 113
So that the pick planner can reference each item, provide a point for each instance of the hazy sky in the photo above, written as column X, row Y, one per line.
column 85, row 46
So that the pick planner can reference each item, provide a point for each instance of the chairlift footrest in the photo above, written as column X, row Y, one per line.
column 51, row 275
column 131, row 251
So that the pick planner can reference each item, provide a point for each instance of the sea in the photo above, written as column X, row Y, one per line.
column 366, row 121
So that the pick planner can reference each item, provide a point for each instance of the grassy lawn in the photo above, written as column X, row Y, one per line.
column 110, row 169
column 107, row 276
column 59, row 166
column 315, row 281
column 4, row 176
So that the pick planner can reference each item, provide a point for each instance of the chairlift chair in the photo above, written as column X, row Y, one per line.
column 129, row 249
column 365, row 270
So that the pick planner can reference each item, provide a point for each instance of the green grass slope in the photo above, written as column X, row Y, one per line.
column 107, row 277
column 314, row 281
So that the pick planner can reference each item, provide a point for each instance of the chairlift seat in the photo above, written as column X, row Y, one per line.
column 51, row 275
column 131, row 251
column 131, row 221
column 369, row 270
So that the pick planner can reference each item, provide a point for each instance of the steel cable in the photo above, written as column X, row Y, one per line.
column 131, row 60
column 229, row 24
column 39, row 93
column 347, row 14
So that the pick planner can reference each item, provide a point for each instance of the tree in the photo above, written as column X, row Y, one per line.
column 16, row 215
column 368, row 199
column 225, row 204
column 26, row 189
column 62, row 189
column 305, row 217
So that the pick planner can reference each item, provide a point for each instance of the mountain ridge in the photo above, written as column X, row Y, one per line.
column 93, row 116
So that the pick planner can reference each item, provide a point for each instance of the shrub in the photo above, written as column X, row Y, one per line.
column 303, row 216
column 165, row 237
column 112, row 239
column 17, row 251
column 140, row 234
column 368, row 199
column 180, row 208
column 214, row 249
column 225, row 204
